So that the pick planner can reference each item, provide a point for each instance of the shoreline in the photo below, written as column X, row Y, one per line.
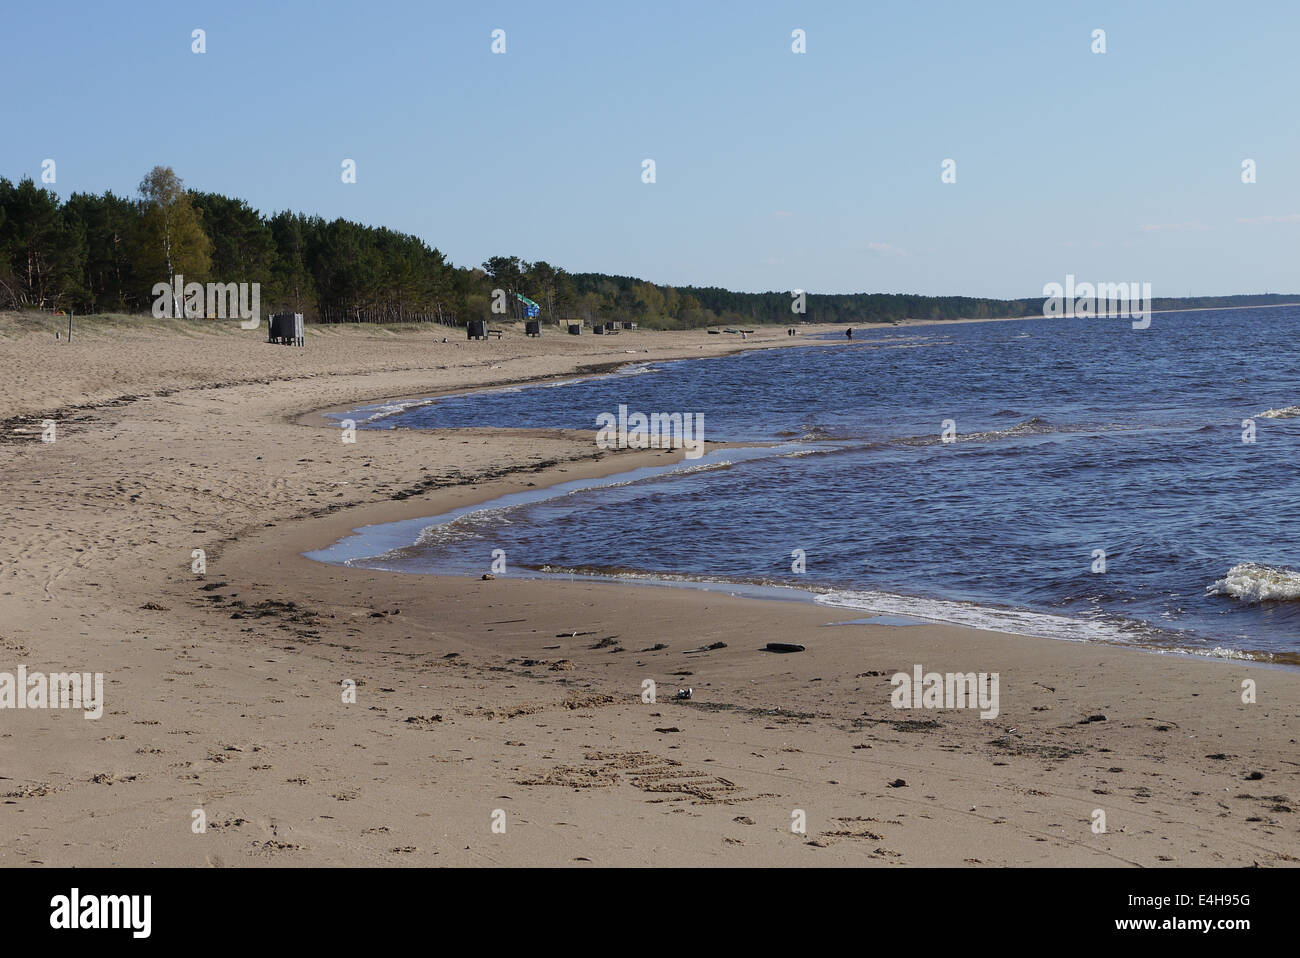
column 756, row 590
column 807, row 622
column 223, row 690
column 640, row 578
column 319, row 417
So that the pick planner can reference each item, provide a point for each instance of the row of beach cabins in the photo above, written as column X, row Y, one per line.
column 478, row 328
column 286, row 329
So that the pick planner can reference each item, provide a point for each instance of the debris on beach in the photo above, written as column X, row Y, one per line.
column 576, row 701
column 784, row 647
column 708, row 648
column 683, row 694
column 423, row 721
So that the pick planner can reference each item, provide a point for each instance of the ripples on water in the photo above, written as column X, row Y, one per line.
column 1072, row 436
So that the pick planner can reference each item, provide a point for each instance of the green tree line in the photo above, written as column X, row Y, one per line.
column 105, row 253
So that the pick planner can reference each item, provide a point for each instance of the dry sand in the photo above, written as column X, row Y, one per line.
column 515, row 696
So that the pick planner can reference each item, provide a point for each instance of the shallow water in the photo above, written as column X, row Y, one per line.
column 1070, row 436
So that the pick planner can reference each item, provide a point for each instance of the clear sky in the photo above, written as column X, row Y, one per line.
column 774, row 170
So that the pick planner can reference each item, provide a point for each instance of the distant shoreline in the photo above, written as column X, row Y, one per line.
column 1013, row 319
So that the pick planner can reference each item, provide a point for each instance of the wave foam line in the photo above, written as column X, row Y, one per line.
column 1252, row 583
column 970, row 615
column 1286, row 412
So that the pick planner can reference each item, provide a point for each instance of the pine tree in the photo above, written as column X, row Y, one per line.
column 40, row 252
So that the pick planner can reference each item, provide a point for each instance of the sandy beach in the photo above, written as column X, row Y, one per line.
column 517, row 702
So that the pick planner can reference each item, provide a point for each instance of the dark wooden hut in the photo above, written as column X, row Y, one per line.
column 285, row 329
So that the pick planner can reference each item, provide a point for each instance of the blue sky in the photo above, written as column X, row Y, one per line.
column 774, row 170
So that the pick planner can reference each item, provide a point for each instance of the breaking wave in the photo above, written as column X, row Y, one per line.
column 1253, row 583
column 1286, row 412
column 970, row 615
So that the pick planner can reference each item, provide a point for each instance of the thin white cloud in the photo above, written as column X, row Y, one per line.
column 887, row 248
column 1173, row 227
column 1257, row 220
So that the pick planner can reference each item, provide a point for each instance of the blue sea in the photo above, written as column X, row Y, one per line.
column 1099, row 483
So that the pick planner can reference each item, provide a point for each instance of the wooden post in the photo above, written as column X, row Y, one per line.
column 69, row 325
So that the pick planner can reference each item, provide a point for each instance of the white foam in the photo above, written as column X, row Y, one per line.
column 384, row 410
column 1286, row 412
column 970, row 615
column 702, row 467
column 1250, row 582
column 637, row 369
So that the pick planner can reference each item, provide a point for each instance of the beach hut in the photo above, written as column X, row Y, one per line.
column 285, row 329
